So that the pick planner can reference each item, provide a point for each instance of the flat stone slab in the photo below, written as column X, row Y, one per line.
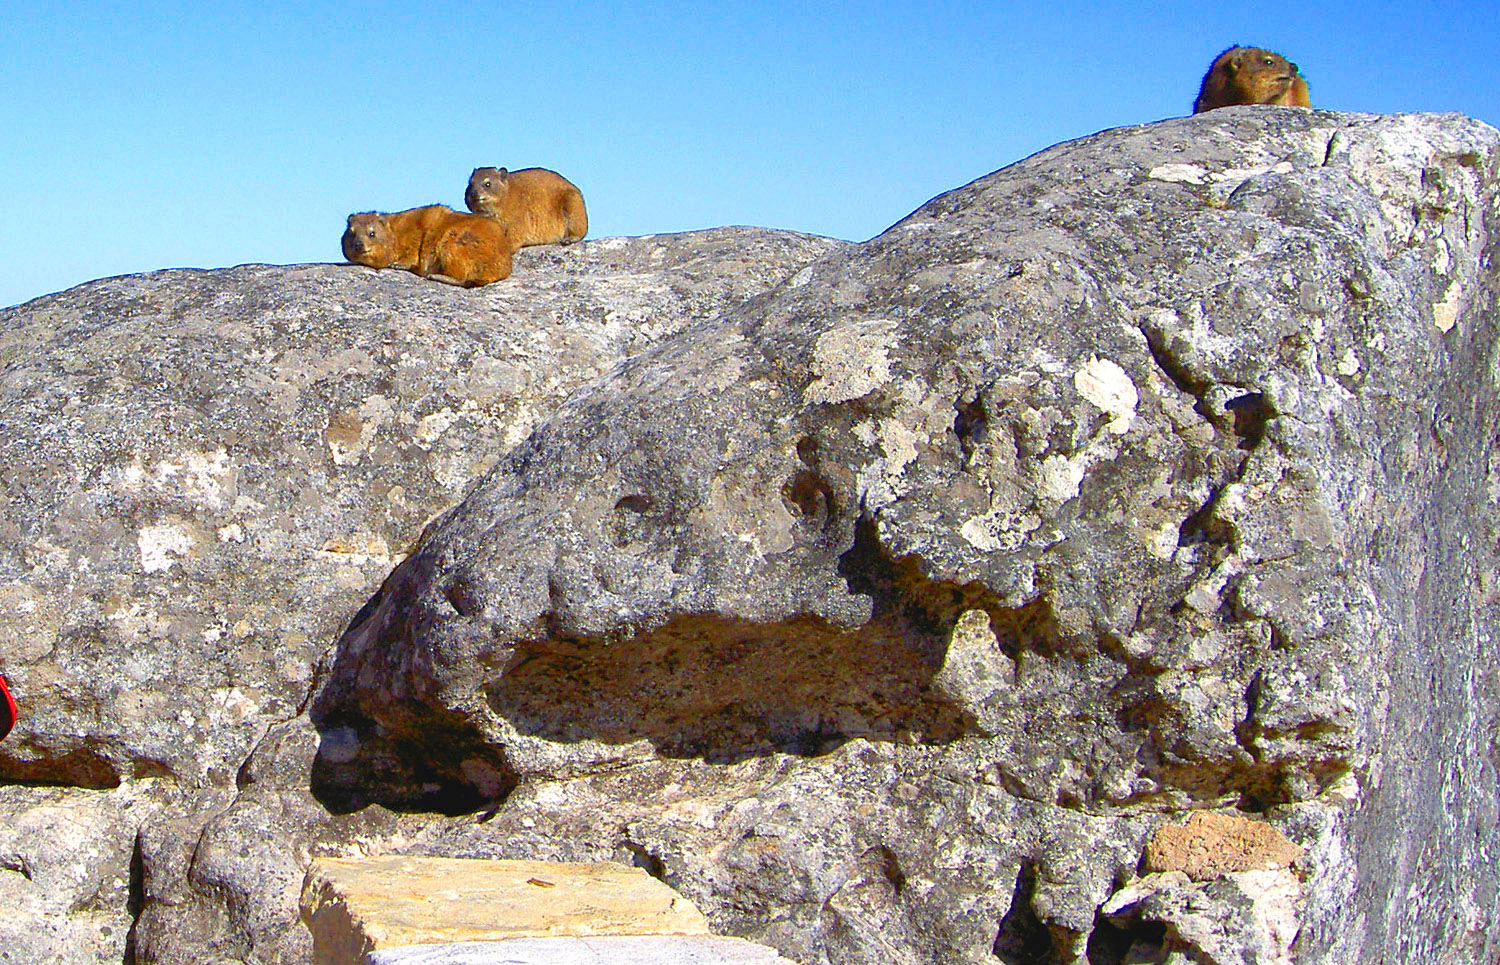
column 358, row 906
column 609, row 950
column 1210, row 845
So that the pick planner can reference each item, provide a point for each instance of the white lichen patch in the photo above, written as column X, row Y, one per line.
column 1060, row 477
column 1178, row 173
column 899, row 442
column 1237, row 176
column 1445, row 312
column 1105, row 384
column 996, row 531
column 205, row 478
column 161, row 546
column 1348, row 363
column 901, row 437
column 230, row 705
column 1442, row 259
column 850, row 362
column 430, row 428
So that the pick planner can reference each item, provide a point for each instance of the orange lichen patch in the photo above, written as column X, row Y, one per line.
column 1210, row 845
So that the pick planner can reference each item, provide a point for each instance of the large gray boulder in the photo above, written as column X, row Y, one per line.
column 889, row 614
column 1156, row 472
column 206, row 473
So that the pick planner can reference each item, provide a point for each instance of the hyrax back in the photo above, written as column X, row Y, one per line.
column 433, row 241
column 1251, row 75
column 470, row 250
column 537, row 206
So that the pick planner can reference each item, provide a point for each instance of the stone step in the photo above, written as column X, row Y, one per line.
column 600, row 950
column 455, row 911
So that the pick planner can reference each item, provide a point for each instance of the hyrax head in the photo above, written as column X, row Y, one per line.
column 1262, row 75
column 368, row 240
column 486, row 191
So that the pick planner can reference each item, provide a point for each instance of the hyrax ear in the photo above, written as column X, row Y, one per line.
column 502, row 174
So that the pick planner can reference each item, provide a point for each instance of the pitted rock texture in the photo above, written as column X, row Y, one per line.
column 1141, row 475
column 206, row 472
column 1210, row 845
column 886, row 614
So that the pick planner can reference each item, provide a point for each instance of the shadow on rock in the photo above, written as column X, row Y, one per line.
column 708, row 686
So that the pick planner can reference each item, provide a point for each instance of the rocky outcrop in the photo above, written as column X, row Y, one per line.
column 887, row 615
column 208, row 472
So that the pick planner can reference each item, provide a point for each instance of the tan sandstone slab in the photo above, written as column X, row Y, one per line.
column 357, row 906
column 599, row 950
column 1211, row 845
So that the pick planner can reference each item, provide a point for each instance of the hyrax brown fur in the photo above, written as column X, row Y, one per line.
column 1250, row 75
column 537, row 206
column 434, row 241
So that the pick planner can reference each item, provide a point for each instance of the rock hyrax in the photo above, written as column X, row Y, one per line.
column 537, row 206
column 434, row 241
column 1250, row 75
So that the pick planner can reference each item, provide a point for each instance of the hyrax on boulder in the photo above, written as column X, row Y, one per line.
column 537, row 206
column 433, row 241
column 1251, row 75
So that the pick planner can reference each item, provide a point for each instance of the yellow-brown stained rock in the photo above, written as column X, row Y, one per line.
column 1210, row 845
column 355, row 906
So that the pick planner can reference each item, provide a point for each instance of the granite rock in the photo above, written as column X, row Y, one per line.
column 884, row 601
column 207, row 472
column 1156, row 472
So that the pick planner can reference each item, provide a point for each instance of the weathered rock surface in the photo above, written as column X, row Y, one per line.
column 611, row 950
column 1211, row 845
column 207, row 472
column 355, row 907
column 886, row 616
column 1242, row 917
column 1200, row 418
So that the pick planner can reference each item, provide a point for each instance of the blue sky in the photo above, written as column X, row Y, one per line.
column 159, row 135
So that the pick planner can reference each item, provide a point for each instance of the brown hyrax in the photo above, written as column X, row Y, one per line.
column 1250, row 75
column 537, row 206
column 434, row 241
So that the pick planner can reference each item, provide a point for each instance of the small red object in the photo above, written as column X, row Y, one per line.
column 7, row 708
